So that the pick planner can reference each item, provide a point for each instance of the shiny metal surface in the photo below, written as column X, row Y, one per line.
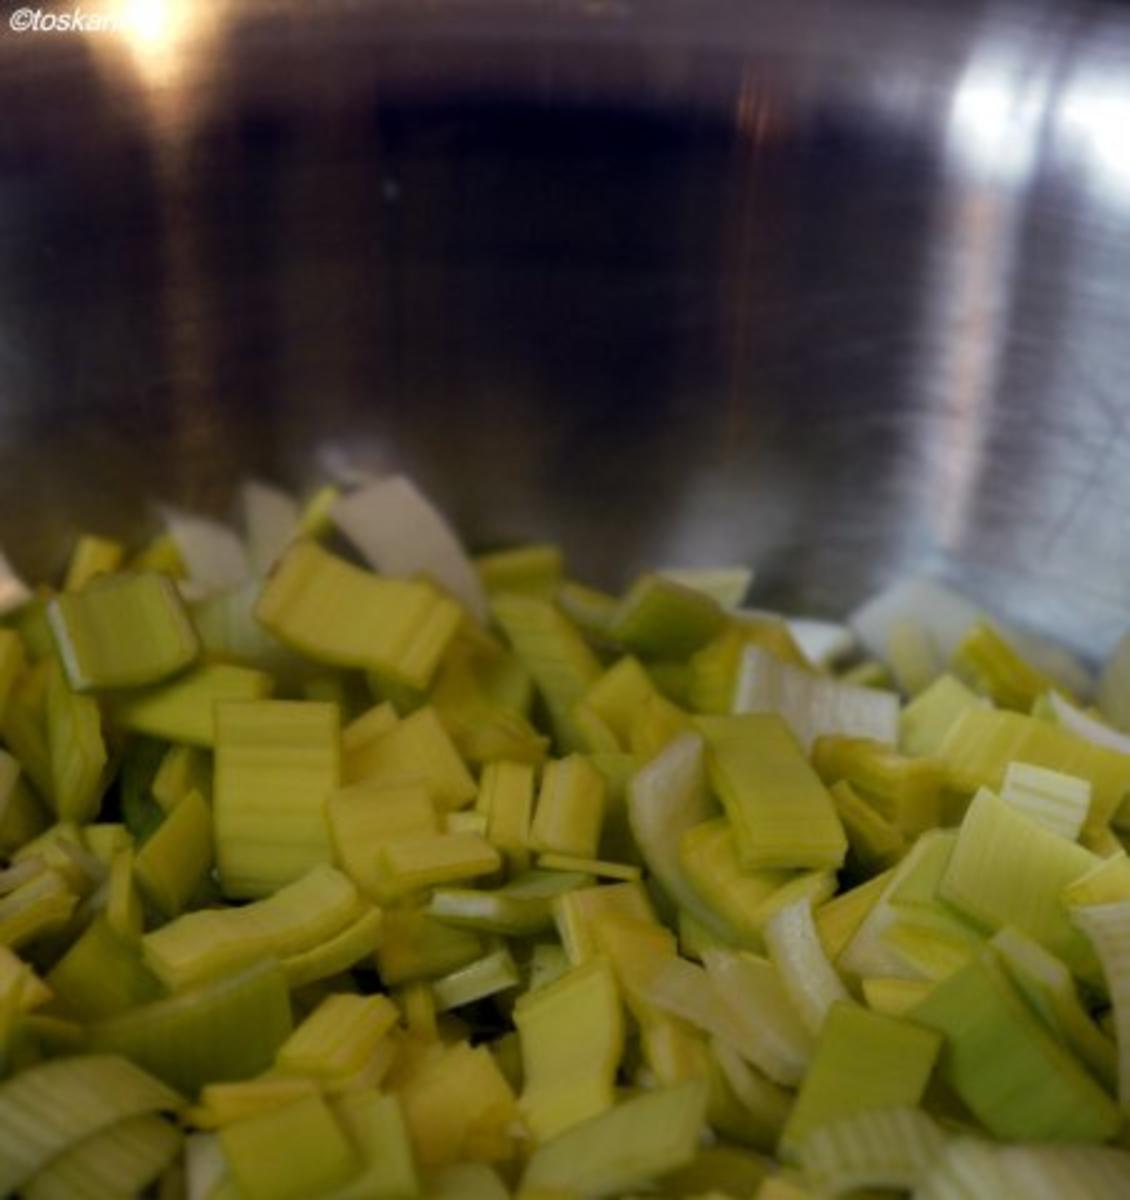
column 839, row 289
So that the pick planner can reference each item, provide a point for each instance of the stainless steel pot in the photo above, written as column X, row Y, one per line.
column 838, row 289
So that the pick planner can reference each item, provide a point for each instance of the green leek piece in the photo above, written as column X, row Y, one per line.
column 36, row 909
column 863, row 1061
column 1007, row 870
column 904, row 791
column 21, row 815
column 715, row 668
column 890, row 1148
column 364, row 816
column 122, row 1160
column 617, row 695
column 548, row 962
column 104, row 840
column 781, row 812
column 656, row 725
column 227, row 1028
column 760, row 1108
column 182, row 710
column 555, row 654
column 375, row 1126
column 208, row 942
column 360, row 734
column 672, row 679
column 25, row 725
column 570, row 808
column 503, row 679
column 812, row 705
column 754, row 991
column 893, row 996
column 533, row 570
column 411, row 864
column 222, row 1103
column 969, row 1168
column 1108, row 927
column 590, row 610
column 983, row 742
column 171, row 865
column 661, row 618
column 1007, row 1069
column 50, row 1108
column 415, row 946
column 294, row 1152
column 572, row 1035
column 996, row 668
column 1106, row 883
column 708, row 856
column 30, row 621
column 338, row 1037
column 277, row 761
column 78, row 753
column 315, row 519
column 123, row 904
column 728, row 1170
column 141, row 814
column 160, row 554
column 21, row 989
column 579, row 911
column 1056, row 801
column 925, row 721
column 521, row 908
column 506, row 795
column 102, row 974
column 464, row 822
column 228, row 631
column 874, row 842
column 91, row 557
column 334, row 612
column 471, row 1181
column 595, row 733
column 574, row 864
column 419, row 748
column 183, row 769
column 13, row 664
column 807, row 975
column 912, row 656
column 726, row 586
column 1047, row 985
column 487, row 976
column 623, row 1148
column 928, row 948
column 122, row 631
column 339, row 953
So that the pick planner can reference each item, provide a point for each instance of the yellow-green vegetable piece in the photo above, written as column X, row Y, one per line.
column 570, row 808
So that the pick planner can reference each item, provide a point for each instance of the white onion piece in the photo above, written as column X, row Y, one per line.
column 270, row 519
column 400, row 532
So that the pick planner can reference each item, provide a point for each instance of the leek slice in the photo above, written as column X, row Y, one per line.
column 506, row 795
column 13, row 663
column 782, row 814
column 364, row 816
column 418, row 748
column 813, row 705
column 1009, row 1071
column 123, row 905
column 25, row 725
column 762, row 1108
column 555, row 654
column 375, row 1125
column 863, row 1061
column 49, row 1108
column 589, row 609
column 183, row 769
column 360, row 735
column 102, row 974
column 982, row 742
column 171, row 865
column 122, row 631
column 925, row 721
column 1106, row 883
column 580, row 912
column 120, row 1161
column 412, row 863
column 222, row 1103
column 874, row 842
column 617, row 696
column 400, row 532
column 183, row 710
column 807, row 975
column 1048, row 987
column 333, row 612
column 570, row 808
column 77, row 750
column 714, row 668
column 227, row 1028
column 573, row 864
column 230, row 633
column 1056, row 801
column 895, row 997
column 415, row 946
column 521, row 908
column 91, row 557
column 340, row 952
column 20, row 987
column 665, row 619
column 294, row 1152
column 487, row 976
column 1007, row 870
column 572, row 1037
column 471, row 1181
column 997, row 669
column 1108, row 927
column 160, row 554
column 21, row 816
column 536, row 569
column 35, row 909
column 277, row 761
column 969, row 1169
column 890, row 1148
column 838, row 920
column 338, row 1037
column 623, row 1148
column 726, row 586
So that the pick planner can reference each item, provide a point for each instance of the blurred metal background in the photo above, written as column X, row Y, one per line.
column 838, row 289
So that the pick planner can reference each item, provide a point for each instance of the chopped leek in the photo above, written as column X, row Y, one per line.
column 662, row 618
column 333, row 612
column 925, row 721
column 1056, row 801
column 77, row 750
column 536, row 570
column 338, row 1037
column 807, row 975
column 813, row 705
column 726, row 586
column 715, row 668
column 590, row 610
column 487, row 976
column 183, row 769
column 277, row 761
column 1108, row 927
column 102, row 974
column 91, row 557
column 364, row 816
column 415, row 946
column 411, row 864
column 122, row 631
column 570, row 808
column 506, row 795
column 171, row 865
column 874, row 842
column 984, row 657
column 782, row 813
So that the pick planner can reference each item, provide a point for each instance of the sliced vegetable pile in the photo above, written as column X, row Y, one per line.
column 361, row 869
